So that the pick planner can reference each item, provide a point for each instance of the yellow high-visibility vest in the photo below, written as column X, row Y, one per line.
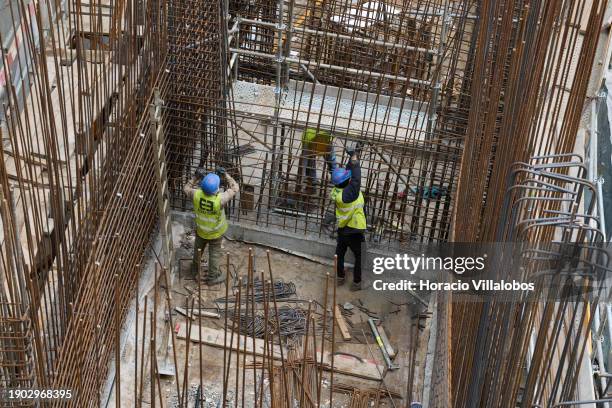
column 318, row 142
column 349, row 214
column 210, row 216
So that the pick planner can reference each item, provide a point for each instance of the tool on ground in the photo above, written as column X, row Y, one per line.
column 383, row 336
column 381, row 345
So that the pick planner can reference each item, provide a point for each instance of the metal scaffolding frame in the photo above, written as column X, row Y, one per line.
column 408, row 174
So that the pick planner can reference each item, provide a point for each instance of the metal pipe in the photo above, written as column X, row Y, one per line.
column 310, row 74
column 600, row 207
column 597, row 331
column 381, row 345
column 583, row 402
column 332, row 67
column 368, row 41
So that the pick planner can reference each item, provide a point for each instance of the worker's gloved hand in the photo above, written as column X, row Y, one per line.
column 353, row 148
column 358, row 147
column 220, row 171
column 199, row 173
column 350, row 149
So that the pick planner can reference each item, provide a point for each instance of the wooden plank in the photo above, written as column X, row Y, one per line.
column 346, row 334
column 346, row 365
column 214, row 337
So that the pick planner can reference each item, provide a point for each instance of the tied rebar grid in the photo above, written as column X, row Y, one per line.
column 284, row 372
column 113, row 272
column 196, row 130
column 412, row 81
column 76, row 188
column 542, row 337
column 526, row 352
column 395, row 77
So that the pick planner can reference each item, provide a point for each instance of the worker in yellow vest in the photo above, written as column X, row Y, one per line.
column 211, row 224
column 317, row 142
column 350, row 216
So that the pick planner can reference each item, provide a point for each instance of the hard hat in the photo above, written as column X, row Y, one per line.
column 340, row 175
column 210, row 184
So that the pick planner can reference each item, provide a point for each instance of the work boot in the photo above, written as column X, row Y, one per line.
column 193, row 272
column 355, row 286
column 340, row 280
column 216, row 279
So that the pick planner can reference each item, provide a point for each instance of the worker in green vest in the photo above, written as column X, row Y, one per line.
column 211, row 224
column 317, row 142
column 350, row 216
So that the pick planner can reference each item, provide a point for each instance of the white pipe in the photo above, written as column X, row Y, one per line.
column 332, row 67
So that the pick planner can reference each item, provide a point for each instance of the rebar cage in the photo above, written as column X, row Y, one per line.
column 391, row 75
column 422, row 84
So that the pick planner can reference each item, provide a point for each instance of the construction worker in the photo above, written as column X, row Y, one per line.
column 350, row 216
column 211, row 224
column 317, row 143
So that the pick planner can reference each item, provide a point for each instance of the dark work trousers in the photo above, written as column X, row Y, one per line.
column 352, row 241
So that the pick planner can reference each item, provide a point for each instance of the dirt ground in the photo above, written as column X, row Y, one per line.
column 399, row 316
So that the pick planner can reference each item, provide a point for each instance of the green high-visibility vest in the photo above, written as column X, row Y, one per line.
column 311, row 133
column 349, row 214
column 317, row 141
column 210, row 216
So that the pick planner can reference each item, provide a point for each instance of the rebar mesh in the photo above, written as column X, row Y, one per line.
column 74, row 83
column 424, row 85
column 391, row 77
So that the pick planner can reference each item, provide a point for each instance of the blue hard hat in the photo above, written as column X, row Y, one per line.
column 340, row 175
column 210, row 184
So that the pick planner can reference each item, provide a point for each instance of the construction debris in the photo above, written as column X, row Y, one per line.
column 346, row 334
column 195, row 312
column 206, row 397
column 352, row 389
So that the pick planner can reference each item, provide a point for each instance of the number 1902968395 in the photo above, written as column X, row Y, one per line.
column 12, row 394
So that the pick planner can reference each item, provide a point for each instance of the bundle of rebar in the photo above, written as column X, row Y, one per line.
column 282, row 290
column 291, row 322
column 291, row 365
